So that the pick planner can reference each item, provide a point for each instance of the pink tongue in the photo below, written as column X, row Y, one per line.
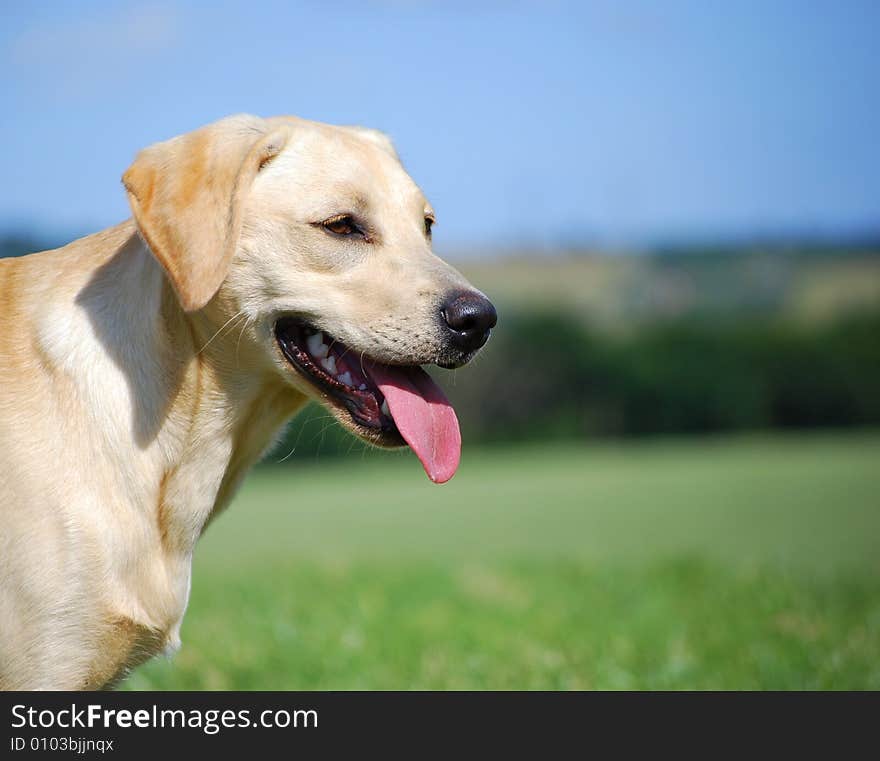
column 423, row 416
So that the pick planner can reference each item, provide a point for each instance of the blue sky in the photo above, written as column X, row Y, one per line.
column 525, row 122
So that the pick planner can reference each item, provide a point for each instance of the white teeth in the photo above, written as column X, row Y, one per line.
column 362, row 387
column 384, row 408
column 345, row 378
column 329, row 364
column 317, row 347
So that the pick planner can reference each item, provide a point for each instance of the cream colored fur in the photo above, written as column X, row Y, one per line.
column 140, row 378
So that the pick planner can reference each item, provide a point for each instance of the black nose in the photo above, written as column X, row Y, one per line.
column 469, row 317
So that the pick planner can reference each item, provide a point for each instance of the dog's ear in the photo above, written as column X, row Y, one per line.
column 187, row 193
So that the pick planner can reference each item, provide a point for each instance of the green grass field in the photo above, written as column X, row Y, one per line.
column 713, row 563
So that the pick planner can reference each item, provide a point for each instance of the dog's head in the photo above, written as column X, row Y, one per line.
column 317, row 241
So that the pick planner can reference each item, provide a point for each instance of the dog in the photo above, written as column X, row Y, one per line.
column 144, row 369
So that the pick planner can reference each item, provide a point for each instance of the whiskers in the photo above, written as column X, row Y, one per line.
column 325, row 420
column 231, row 321
column 244, row 326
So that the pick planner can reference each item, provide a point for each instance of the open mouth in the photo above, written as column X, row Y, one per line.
column 336, row 371
column 388, row 404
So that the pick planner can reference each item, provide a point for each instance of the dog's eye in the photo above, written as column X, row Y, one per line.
column 429, row 224
column 342, row 225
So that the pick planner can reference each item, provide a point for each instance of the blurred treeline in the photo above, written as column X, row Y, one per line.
column 675, row 341
column 547, row 376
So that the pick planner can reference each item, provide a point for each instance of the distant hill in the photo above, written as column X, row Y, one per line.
column 616, row 291
column 21, row 244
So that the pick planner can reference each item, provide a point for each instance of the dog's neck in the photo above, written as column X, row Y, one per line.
column 214, row 416
column 181, row 388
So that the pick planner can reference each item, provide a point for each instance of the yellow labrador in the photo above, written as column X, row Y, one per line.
column 145, row 368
